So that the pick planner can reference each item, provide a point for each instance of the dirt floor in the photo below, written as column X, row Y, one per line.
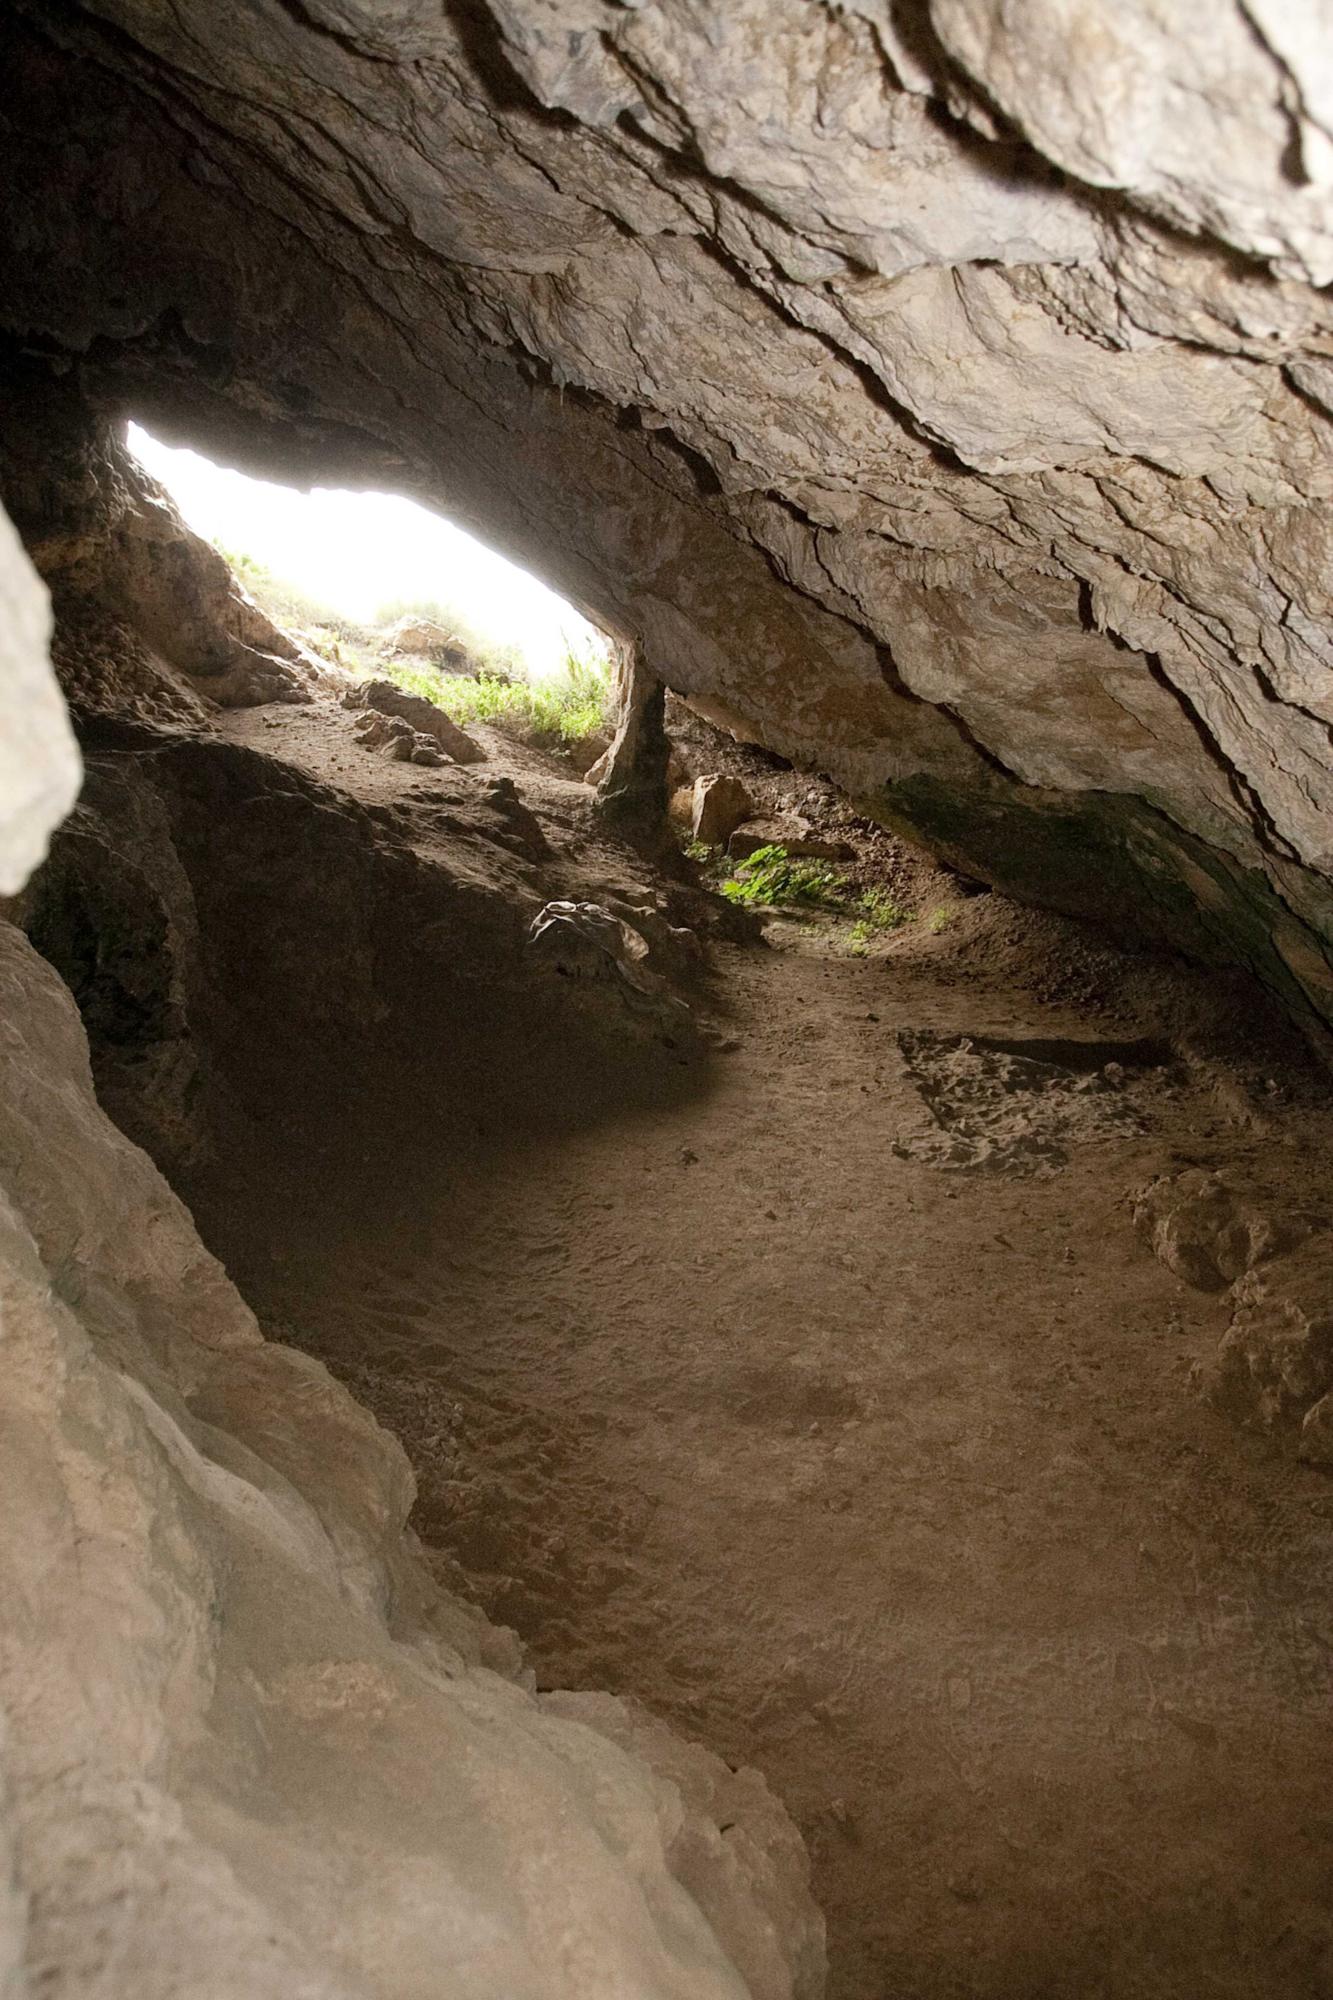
column 825, row 1399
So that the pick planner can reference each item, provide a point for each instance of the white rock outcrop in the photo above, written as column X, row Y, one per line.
column 39, row 762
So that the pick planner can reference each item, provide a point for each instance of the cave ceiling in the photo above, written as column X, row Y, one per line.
column 939, row 391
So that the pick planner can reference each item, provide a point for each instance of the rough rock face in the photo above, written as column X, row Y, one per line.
column 941, row 388
column 150, row 623
column 385, row 698
column 1273, row 1370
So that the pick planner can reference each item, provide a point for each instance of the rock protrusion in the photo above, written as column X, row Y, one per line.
column 39, row 764
column 422, row 718
column 720, row 804
column 633, row 782
column 1273, row 1370
column 1205, row 1232
column 789, row 831
column 1275, row 1362
column 591, row 947
column 212, row 1520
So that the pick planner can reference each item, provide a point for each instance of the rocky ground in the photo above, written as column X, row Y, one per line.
column 809, row 1376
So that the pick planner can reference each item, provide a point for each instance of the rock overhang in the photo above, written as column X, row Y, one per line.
column 937, row 387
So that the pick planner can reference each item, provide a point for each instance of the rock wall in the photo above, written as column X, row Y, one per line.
column 939, row 387
column 39, row 763
column 150, row 623
column 247, row 1746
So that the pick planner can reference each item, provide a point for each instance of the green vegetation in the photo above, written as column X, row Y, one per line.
column 773, row 879
column 880, row 913
column 565, row 708
column 287, row 604
column 940, row 919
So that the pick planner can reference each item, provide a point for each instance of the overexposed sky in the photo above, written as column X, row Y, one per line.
column 358, row 551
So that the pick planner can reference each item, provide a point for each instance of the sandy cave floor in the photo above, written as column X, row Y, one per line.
column 883, row 1476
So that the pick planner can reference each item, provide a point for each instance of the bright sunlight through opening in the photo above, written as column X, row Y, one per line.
column 366, row 555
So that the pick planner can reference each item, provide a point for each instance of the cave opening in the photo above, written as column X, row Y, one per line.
column 666, row 1293
column 351, row 565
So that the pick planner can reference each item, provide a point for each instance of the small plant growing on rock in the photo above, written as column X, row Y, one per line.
column 879, row 912
column 770, row 877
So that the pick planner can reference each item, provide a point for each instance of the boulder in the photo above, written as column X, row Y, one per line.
column 398, row 741
column 791, row 832
column 420, row 637
column 720, row 803
column 1275, row 1361
column 387, row 698
column 1207, row 1233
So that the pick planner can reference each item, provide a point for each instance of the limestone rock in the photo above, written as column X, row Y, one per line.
column 632, row 783
column 39, row 765
column 1276, row 1358
column 720, row 803
column 938, row 393
column 398, row 741
column 680, row 808
column 787, row 830
column 422, row 716
column 150, row 621
column 419, row 636
column 593, row 948
column 202, row 1551
column 1205, row 1232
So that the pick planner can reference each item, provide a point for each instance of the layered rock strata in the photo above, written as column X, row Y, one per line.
column 939, row 388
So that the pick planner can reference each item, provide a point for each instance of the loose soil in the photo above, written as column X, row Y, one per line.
column 868, row 1461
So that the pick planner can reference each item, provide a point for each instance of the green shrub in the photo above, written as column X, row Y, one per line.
column 570, row 705
column 564, row 709
column 879, row 913
column 773, row 877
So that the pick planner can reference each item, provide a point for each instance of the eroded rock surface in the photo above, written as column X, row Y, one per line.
column 941, row 389
column 424, row 719
column 1273, row 1370
column 1207, row 1232
column 151, row 625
